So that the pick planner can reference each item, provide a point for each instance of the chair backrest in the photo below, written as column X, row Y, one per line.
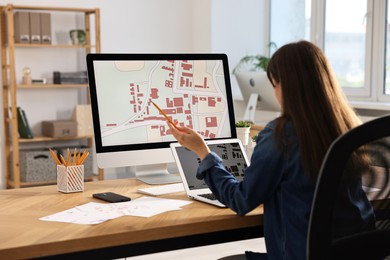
column 374, row 137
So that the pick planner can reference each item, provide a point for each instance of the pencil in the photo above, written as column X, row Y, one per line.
column 83, row 157
column 165, row 115
column 53, row 154
column 68, row 155
column 74, row 157
column 63, row 160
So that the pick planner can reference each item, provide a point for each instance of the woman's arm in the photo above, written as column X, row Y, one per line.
column 190, row 139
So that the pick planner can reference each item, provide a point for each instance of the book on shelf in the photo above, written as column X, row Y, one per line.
column 23, row 126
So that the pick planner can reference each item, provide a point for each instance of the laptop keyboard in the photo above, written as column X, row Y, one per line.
column 209, row 196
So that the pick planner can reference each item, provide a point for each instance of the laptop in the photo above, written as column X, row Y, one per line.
column 234, row 159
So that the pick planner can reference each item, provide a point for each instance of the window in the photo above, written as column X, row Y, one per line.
column 290, row 21
column 345, row 41
column 354, row 34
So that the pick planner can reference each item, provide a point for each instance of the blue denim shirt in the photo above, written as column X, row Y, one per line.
column 277, row 180
column 274, row 179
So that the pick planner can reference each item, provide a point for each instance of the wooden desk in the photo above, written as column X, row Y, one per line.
column 23, row 235
column 255, row 129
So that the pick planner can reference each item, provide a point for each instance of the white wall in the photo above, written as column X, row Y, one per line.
column 238, row 29
column 229, row 26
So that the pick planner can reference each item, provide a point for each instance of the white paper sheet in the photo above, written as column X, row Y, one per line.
column 95, row 213
column 79, row 216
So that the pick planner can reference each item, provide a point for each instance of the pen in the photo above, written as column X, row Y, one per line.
column 165, row 115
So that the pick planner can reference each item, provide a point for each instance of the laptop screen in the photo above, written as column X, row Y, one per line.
column 230, row 152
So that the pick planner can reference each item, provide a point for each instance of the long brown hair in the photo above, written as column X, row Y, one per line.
column 312, row 100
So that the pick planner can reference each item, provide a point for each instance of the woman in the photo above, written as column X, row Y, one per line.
column 287, row 158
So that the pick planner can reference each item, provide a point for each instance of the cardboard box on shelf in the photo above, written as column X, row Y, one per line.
column 45, row 23
column 82, row 114
column 22, row 27
column 59, row 128
column 35, row 27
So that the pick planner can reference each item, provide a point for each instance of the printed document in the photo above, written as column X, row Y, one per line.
column 95, row 213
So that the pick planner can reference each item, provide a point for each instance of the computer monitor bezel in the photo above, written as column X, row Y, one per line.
column 100, row 148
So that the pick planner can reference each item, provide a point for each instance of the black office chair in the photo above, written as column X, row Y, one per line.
column 373, row 138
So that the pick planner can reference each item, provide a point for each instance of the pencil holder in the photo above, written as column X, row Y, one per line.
column 70, row 178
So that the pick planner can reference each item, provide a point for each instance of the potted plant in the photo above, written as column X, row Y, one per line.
column 251, row 77
column 243, row 129
column 251, row 146
column 242, row 123
column 253, row 141
column 254, row 62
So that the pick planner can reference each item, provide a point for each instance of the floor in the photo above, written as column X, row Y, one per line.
column 208, row 252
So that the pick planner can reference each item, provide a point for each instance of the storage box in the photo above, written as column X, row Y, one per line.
column 82, row 114
column 36, row 166
column 45, row 28
column 22, row 27
column 59, row 128
column 35, row 27
column 78, row 77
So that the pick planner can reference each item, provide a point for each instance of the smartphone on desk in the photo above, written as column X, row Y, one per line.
column 111, row 197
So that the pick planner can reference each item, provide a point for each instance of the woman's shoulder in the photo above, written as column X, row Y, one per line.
column 269, row 129
column 287, row 125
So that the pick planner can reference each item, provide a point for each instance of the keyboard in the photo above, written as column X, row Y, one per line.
column 209, row 196
column 162, row 189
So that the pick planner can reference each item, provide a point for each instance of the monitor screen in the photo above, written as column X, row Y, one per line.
column 192, row 89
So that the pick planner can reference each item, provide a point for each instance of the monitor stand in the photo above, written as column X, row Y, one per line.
column 250, row 111
column 249, row 114
column 156, row 174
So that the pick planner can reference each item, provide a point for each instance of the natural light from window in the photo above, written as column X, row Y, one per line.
column 345, row 40
column 354, row 34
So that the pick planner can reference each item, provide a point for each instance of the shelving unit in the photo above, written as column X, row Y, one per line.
column 10, row 87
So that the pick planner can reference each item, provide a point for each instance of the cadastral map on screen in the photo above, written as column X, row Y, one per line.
column 191, row 93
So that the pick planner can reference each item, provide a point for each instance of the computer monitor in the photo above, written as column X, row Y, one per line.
column 192, row 89
column 258, row 95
